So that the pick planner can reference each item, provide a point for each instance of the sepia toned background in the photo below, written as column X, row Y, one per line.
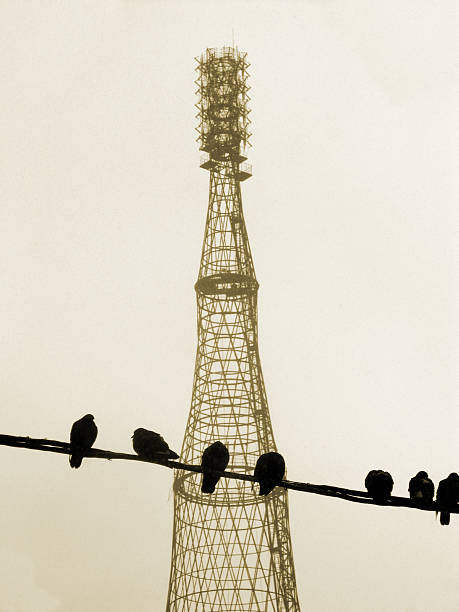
column 353, row 219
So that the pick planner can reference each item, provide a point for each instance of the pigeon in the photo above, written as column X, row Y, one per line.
column 150, row 445
column 421, row 488
column 215, row 457
column 82, row 436
column 269, row 471
column 448, row 495
column 379, row 485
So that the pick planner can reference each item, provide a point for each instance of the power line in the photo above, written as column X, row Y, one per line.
column 352, row 495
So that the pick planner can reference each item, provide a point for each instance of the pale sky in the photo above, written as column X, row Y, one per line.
column 352, row 215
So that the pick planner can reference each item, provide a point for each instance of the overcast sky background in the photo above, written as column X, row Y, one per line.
column 352, row 214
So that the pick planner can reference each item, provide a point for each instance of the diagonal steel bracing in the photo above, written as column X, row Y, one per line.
column 231, row 551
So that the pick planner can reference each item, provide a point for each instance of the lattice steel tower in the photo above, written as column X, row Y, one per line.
column 231, row 551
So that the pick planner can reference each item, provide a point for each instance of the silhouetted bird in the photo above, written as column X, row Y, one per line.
column 448, row 495
column 150, row 445
column 269, row 471
column 379, row 485
column 215, row 457
column 82, row 436
column 421, row 488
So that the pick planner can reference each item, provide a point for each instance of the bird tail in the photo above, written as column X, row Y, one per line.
column 444, row 518
column 209, row 483
column 75, row 460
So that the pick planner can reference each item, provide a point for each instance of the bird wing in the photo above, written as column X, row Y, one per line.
column 370, row 477
column 78, row 434
column 442, row 492
column 428, row 488
column 92, row 433
column 215, row 456
column 260, row 468
column 413, row 486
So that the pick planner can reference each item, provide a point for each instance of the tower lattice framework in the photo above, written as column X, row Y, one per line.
column 231, row 551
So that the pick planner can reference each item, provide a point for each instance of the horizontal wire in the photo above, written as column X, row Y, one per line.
column 352, row 495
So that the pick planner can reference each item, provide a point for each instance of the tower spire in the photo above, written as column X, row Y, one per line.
column 231, row 550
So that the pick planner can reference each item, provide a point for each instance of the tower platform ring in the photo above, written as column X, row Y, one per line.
column 228, row 284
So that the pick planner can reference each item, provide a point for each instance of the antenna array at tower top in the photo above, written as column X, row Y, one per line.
column 223, row 113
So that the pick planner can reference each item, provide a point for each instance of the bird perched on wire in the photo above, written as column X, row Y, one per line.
column 215, row 457
column 151, row 445
column 82, row 436
column 448, row 495
column 421, row 488
column 379, row 485
column 269, row 471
